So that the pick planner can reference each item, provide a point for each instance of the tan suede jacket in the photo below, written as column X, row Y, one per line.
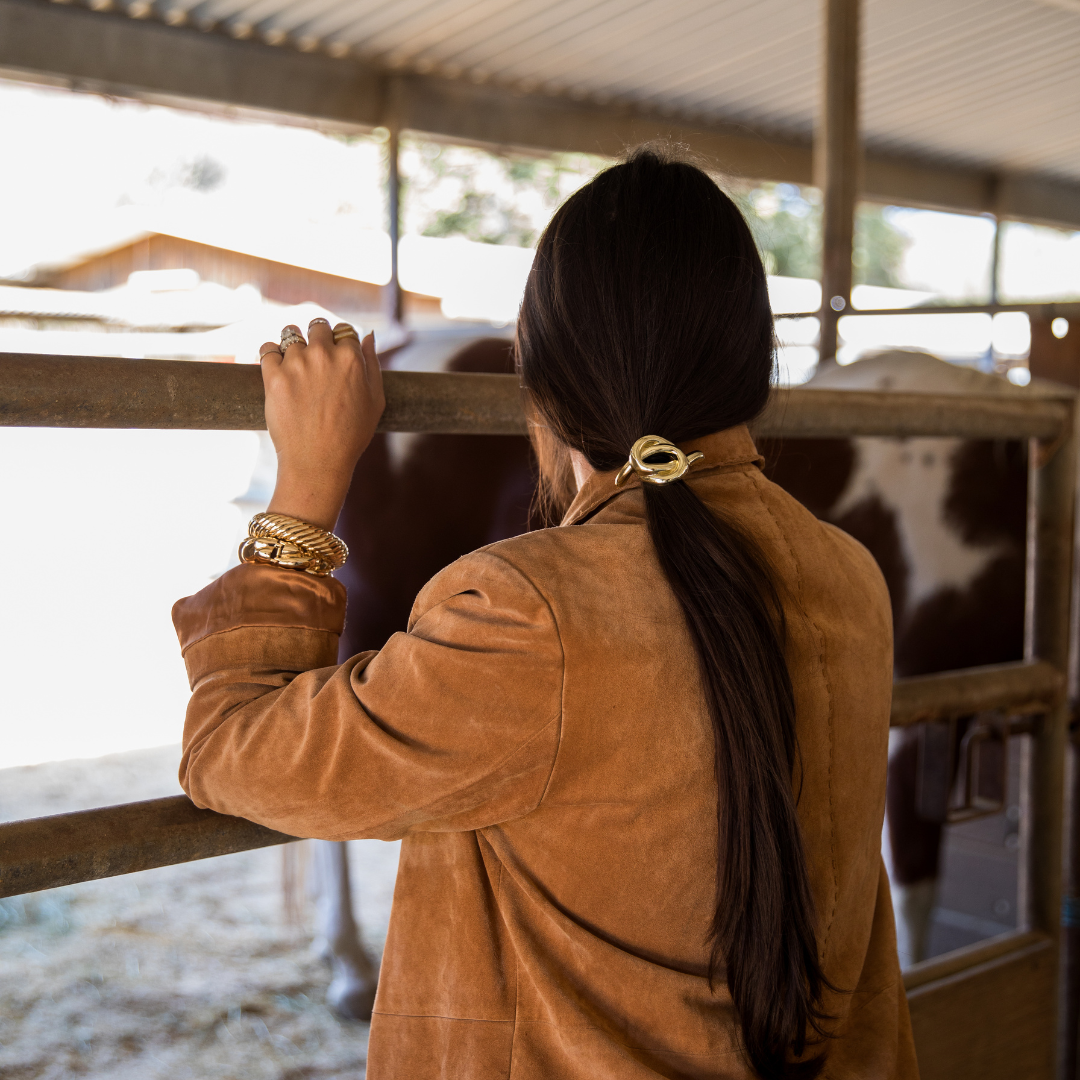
column 539, row 739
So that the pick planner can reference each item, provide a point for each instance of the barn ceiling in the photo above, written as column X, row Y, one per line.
column 971, row 105
column 986, row 82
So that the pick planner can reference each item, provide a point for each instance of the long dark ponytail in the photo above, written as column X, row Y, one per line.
column 647, row 312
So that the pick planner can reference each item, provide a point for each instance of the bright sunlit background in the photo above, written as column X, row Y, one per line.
column 106, row 529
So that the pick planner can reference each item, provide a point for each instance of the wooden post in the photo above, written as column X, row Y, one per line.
column 837, row 162
column 395, row 307
column 1053, row 357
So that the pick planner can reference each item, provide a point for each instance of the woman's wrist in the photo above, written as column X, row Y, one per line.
column 314, row 497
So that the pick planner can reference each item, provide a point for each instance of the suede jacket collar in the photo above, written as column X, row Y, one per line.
column 733, row 446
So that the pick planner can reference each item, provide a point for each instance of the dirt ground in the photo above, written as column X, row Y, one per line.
column 187, row 971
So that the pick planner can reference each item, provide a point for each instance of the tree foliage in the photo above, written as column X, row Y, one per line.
column 786, row 221
column 490, row 198
column 508, row 199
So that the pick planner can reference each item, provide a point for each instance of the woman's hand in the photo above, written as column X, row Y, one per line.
column 323, row 401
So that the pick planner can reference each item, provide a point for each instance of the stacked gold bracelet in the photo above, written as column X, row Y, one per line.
column 280, row 540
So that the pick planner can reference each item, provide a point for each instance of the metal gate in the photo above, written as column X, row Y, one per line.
column 990, row 1010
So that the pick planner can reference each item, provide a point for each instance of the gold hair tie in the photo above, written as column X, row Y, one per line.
column 662, row 472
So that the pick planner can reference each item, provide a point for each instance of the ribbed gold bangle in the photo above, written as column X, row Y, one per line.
column 280, row 540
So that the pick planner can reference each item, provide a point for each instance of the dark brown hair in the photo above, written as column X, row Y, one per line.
column 647, row 313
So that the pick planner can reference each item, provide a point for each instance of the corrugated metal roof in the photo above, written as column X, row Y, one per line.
column 988, row 82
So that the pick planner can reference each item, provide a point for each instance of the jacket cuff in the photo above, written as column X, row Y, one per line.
column 252, row 595
column 259, row 651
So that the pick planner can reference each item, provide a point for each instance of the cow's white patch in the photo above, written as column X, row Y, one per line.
column 398, row 445
column 912, row 477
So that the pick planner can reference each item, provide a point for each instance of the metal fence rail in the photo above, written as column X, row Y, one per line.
column 111, row 392
column 44, row 853
column 85, row 391
column 1020, row 689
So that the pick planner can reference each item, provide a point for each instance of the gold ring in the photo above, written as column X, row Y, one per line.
column 345, row 330
column 661, row 472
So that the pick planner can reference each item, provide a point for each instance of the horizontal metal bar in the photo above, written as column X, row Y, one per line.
column 75, row 391
column 927, row 972
column 1046, row 310
column 1014, row 689
column 110, row 392
column 810, row 413
column 44, row 853
column 1043, row 309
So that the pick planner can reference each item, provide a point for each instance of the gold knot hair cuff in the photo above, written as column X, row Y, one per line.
column 280, row 540
column 661, row 472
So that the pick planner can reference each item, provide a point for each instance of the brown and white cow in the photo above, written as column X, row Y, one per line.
column 416, row 503
column 945, row 520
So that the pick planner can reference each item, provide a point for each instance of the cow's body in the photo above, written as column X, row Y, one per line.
column 945, row 519
column 416, row 503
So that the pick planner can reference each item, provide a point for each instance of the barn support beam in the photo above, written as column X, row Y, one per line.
column 85, row 391
column 45, row 853
column 837, row 162
column 395, row 296
column 111, row 53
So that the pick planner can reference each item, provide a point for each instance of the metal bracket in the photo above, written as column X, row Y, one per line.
column 949, row 783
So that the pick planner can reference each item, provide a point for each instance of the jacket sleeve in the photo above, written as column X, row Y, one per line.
column 453, row 725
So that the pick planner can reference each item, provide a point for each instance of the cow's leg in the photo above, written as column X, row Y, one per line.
column 915, row 846
column 355, row 974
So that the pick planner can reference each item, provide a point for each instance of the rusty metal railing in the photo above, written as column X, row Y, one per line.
column 96, row 392
column 44, row 853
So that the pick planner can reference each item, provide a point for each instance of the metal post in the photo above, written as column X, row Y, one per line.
column 995, row 262
column 1069, row 1030
column 995, row 273
column 1052, row 494
column 837, row 163
column 395, row 307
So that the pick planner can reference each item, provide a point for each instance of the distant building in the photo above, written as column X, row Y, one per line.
column 163, row 314
column 276, row 281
